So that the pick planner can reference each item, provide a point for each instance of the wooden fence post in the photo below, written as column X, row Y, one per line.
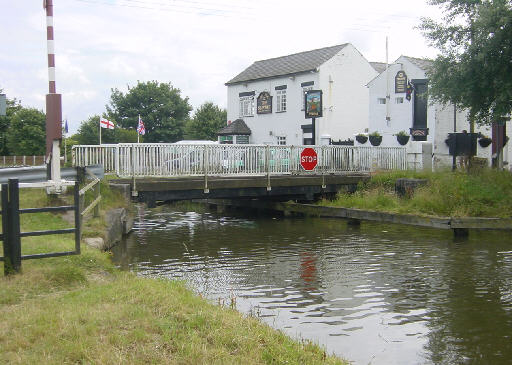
column 13, row 227
column 97, row 195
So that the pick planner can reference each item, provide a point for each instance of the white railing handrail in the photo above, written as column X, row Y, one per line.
column 169, row 159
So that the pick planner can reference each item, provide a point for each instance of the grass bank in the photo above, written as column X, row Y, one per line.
column 486, row 193
column 81, row 309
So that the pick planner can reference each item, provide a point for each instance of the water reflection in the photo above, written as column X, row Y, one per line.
column 379, row 294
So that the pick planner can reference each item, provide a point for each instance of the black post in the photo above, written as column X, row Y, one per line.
column 5, row 231
column 78, row 220
column 313, row 132
column 13, row 212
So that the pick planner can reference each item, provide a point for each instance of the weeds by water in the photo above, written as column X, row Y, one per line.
column 486, row 193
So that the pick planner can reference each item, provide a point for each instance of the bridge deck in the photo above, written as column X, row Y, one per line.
column 281, row 187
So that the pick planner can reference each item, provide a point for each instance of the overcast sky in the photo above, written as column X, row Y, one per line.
column 197, row 45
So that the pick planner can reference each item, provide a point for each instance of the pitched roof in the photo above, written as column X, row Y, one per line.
column 238, row 127
column 422, row 63
column 378, row 66
column 287, row 65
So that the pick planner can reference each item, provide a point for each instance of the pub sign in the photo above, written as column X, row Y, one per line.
column 264, row 103
column 400, row 82
column 313, row 101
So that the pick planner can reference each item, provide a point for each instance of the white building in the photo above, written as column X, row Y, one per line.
column 341, row 72
column 423, row 119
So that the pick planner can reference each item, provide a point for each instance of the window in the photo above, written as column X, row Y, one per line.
column 247, row 106
column 281, row 100
column 226, row 139
column 399, row 100
column 381, row 100
column 281, row 140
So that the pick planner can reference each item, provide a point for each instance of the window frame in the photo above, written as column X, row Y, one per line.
column 246, row 106
column 280, row 140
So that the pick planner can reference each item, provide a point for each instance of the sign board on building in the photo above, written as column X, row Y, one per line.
column 313, row 103
column 242, row 139
column 308, row 159
column 400, row 82
column 3, row 104
column 264, row 103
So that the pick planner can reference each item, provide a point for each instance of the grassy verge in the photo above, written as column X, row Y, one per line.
column 81, row 309
column 486, row 193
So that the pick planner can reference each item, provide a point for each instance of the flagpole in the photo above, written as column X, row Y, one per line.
column 137, row 129
column 65, row 139
column 100, row 131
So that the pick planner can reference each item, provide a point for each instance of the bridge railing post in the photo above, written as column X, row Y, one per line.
column 206, row 161
column 267, row 166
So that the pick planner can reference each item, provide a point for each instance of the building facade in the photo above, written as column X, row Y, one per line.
column 421, row 118
column 269, row 96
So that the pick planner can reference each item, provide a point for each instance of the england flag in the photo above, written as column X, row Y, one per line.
column 105, row 123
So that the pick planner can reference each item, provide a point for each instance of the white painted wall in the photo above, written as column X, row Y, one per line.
column 439, row 117
column 266, row 127
column 401, row 114
column 343, row 80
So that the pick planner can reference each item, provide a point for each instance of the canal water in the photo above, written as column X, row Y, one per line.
column 374, row 294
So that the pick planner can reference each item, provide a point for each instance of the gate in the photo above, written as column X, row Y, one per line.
column 11, row 234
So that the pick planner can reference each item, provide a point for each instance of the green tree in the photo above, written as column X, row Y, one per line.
column 473, row 69
column 207, row 121
column 89, row 133
column 13, row 106
column 26, row 133
column 160, row 105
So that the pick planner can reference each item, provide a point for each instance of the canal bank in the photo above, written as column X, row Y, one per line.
column 458, row 201
column 82, row 309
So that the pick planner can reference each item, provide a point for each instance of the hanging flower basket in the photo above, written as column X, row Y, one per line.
column 402, row 139
column 361, row 138
column 375, row 140
column 484, row 142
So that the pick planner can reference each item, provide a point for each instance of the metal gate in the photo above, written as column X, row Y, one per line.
column 11, row 234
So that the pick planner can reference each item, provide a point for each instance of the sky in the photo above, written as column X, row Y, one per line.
column 196, row 45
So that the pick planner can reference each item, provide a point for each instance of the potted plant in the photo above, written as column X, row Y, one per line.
column 375, row 138
column 402, row 137
column 361, row 138
column 484, row 141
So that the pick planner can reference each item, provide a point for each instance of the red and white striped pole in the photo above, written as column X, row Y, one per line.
column 48, row 5
column 53, row 101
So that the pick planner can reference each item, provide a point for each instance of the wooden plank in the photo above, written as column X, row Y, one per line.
column 91, row 206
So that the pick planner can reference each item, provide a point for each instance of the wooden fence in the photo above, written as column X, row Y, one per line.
column 12, row 161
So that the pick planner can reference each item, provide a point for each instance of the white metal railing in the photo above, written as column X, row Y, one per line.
column 167, row 159
column 105, row 154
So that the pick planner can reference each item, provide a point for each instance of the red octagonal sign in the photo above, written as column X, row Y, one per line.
column 308, row 159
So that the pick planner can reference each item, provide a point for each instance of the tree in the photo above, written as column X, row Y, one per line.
column 13, row 106
column 207, row 121
column 473, row 70
column 26, row 133
column 160, row 105
column 89, row 133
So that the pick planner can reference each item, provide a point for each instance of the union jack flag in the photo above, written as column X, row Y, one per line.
column 140, row 127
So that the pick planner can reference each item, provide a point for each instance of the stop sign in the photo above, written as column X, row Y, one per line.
column 308, row 159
